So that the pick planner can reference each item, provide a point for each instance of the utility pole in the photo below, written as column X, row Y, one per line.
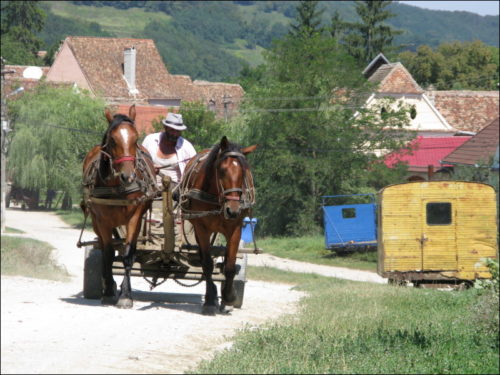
column 5, row 132
column 225, row 101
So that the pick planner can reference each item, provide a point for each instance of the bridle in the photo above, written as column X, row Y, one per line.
column 246, row 192
column 224, row 197
column 118, row 161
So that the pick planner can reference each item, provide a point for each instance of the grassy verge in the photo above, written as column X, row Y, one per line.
column 74, row 218
column 13, row 230
column 353, row 327
column 312, row 249
column 31, row 258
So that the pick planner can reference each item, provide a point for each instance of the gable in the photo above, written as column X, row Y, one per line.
column 66, row 68
column 394, row 78
column 427, row 119
column 373, row 66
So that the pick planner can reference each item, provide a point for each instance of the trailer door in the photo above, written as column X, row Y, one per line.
column 439, row 240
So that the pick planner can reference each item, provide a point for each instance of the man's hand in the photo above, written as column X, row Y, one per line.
column 157, row 168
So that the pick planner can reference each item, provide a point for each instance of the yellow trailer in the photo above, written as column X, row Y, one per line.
column 436, row 230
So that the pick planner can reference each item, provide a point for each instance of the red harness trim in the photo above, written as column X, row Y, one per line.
column 232, row 198
column 124, row 158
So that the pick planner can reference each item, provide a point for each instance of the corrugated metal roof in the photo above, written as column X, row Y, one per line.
column 479, row 148
column 425, row 151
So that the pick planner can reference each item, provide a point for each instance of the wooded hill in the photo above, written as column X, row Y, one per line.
column 213, row 40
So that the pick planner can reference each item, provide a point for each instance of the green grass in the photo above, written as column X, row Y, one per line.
column 120, row 22
column 74, row 218
column 252, row 56
column 352, row 327
column 13, row 230
column 312, row 249
column 28, row 257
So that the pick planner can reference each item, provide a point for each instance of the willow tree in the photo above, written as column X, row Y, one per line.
column 53, row 128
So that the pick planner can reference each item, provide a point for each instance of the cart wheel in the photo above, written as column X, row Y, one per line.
column 92, row 286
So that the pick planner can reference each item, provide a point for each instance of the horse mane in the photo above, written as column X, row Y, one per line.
column 213, row 155
column 104, row 165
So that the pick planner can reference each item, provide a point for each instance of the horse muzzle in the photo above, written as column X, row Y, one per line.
column 232, row 208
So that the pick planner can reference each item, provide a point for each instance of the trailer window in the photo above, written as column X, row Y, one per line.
column 438, row 213
column 348, row 213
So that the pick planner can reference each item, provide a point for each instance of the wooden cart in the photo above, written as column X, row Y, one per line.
column 162, row 255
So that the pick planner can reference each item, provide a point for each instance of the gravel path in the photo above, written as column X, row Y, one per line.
column 48, row 327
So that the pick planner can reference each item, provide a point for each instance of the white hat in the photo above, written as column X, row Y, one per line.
column 174, row 121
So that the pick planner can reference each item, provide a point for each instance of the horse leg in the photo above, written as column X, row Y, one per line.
column 133, row 228
column 108, row 255
column 228, row 293
column 210, row 305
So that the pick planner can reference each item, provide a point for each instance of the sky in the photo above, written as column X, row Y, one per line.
column 483, row 8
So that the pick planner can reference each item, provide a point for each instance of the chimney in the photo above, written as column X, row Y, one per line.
column 129, row 55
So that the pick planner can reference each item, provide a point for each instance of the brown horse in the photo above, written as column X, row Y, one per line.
column 217, row 192
column 119, row 185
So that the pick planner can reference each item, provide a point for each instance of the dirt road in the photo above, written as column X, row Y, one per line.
column 48, row 327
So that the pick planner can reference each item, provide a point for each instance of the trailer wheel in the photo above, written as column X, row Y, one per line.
column 92, row 286
column 239, row 281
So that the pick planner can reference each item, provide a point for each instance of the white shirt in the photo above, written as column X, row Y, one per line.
column 183, row 149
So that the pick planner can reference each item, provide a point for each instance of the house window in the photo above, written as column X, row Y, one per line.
column 348, row 213
column 413, row 112
column 439, row 213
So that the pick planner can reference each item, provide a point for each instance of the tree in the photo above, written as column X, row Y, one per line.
column 314, row 136
column 20, row 21
column 53, row 129
column 456, row 65
column 337, row 26
column 370, row 36
column 308, row 20
column 204, row 129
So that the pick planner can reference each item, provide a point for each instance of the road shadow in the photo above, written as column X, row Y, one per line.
column 173, row 301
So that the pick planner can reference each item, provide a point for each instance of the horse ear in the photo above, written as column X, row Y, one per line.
column 108, row 115
column 224, row 143
column 131, row 112
column 249, row 149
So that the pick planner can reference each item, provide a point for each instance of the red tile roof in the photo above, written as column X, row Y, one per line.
column 479, row 148
column 425, row 151
column 144, row 116
column 101, row 60
column 466, row 110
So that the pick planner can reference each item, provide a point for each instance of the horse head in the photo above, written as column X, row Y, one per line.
column 119, row 147
column 231, row 171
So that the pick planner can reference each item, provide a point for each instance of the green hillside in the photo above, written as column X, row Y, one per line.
column 213, row 40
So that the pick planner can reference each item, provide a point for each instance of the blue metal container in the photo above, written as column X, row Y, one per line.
column 349, row 225
column 248, row 229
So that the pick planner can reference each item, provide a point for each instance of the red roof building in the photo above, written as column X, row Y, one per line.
column 425, row 151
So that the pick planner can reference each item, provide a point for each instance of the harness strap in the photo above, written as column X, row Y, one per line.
column 202, row 196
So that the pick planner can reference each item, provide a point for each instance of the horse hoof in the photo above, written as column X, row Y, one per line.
column 209, row 310
column 224, row 309
column 125, row 303
column 108, row 300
